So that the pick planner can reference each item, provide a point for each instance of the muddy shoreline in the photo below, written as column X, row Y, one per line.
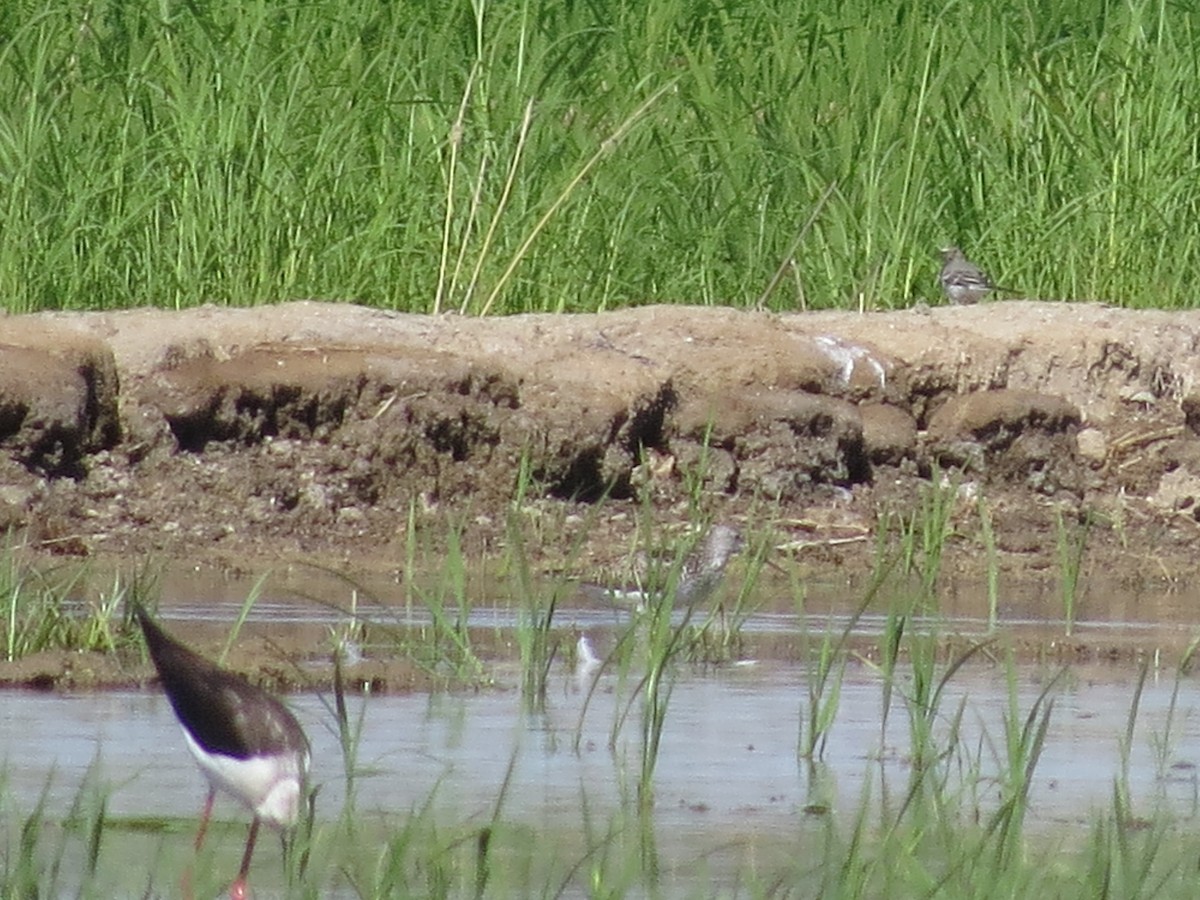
column 238, row 440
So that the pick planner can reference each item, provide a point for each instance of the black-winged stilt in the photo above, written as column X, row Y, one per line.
column 246, row 742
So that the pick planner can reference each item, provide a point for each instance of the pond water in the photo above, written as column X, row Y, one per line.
column 728, row 775
column 729, row 787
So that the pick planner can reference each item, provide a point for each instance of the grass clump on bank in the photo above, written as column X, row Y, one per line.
column 505, row 158
column 42, row 609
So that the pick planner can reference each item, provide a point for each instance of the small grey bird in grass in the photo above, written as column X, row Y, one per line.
column 962, row 280
column 699, row 575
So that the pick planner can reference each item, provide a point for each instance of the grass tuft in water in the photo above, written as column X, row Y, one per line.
column 446, row 646
column 1164, row 742
column 932, row 527
column 537, row 605
column 988, row 535
column 1071, row 545
column 1024, row 740
column 41, row 610
column 665, row 642
column 826, row 670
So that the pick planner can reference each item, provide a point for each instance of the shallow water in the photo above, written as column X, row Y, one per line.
column 728, row 775
column 729, row 746
column 1109, row 612
column 729, row 788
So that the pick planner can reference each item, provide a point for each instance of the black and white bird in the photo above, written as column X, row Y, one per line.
column 962, row 280
column 246, row 742
column 698, row 576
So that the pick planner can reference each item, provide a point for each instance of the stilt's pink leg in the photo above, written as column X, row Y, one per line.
column 237, row 891
column 185, row 880
column 204, row 816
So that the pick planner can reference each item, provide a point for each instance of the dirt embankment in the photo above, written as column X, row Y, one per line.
column 313, row 429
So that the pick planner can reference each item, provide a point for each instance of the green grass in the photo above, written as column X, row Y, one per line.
column 1070, row 544
column 987, row 536
column 45, row 608
column 565, row 157
column 927, row 529
column 537, row 634
column 444, row 646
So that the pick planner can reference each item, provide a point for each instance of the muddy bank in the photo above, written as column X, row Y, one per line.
column 311, row 427
column 318, row 431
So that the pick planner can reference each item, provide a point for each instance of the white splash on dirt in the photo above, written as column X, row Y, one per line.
column 847, row 355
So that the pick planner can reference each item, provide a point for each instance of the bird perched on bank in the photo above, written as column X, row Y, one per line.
column 698, row 576
column 962, row 280
column 246, row 742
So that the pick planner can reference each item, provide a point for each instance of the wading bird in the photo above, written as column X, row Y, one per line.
column 246, row 742
column 698, row 577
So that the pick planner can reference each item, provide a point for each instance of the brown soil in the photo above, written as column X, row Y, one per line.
column 239, row 438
